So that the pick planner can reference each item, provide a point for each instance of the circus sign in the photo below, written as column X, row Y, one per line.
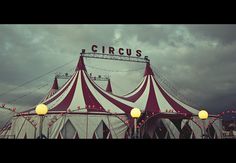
column 111, row 50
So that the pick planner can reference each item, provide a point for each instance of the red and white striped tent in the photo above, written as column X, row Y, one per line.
column 82, row 109
column 162, row 111
column 151, row 97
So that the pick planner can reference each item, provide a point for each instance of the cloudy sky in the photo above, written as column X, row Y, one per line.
column 197, row 60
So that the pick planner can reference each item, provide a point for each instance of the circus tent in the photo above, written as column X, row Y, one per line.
column 151, row 97
column 82, row 94
column 167, row 112
column 82, row 109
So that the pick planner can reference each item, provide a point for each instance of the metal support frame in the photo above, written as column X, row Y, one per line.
column 99, row 77
column 115, row 57
column 95, row 78
column 63, row 76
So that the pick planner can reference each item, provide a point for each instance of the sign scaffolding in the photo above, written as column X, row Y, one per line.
column 114, row 57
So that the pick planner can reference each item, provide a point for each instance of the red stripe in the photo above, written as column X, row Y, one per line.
column 55, row 84
column 152, row 104
column 55, row 97
column 175, row 105
column 89, row 99
column 109, row 88
column 63, row 106
column 120, row 105
column 148, row 70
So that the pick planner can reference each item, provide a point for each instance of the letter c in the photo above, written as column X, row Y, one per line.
column 93, row 48
column 121, row 49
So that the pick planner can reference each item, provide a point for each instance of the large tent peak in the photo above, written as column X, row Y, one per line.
column 148, row 70
column 80, row 65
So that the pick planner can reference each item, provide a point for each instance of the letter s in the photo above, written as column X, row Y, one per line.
column 138, row 53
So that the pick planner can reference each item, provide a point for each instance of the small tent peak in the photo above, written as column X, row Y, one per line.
column 55, row 84
column 109, row 88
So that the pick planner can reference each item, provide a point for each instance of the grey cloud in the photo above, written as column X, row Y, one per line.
column 225, row 34
column 171, row 35
column 198, row 59
column 208, row 72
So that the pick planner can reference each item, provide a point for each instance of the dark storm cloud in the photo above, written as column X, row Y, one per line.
column 155, row 34
column 226, row 34
column 199, row 60
column 22, row 55
column 28, row 51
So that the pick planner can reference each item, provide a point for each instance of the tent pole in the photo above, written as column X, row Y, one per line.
column 135, row 128
column 40, row 126
column 87, row 126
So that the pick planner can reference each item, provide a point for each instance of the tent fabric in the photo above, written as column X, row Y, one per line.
column 151, row 97
column 109, row 88
column 68, row 128
column 82, row 94
column 82, row 109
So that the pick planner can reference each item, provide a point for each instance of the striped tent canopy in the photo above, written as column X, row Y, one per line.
column 151, row 97
column 81, row 94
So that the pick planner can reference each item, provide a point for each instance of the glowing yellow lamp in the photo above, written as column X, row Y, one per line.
column 135, row 113
column 203, row 114
column 41, row 109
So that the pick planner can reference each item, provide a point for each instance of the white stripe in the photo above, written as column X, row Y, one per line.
column 142, row 100
column 189, row 108
column 162, row 102
column 78, row 99
column 131, row 104
column 60, row 90
column 59, row 99
column 106, row 104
